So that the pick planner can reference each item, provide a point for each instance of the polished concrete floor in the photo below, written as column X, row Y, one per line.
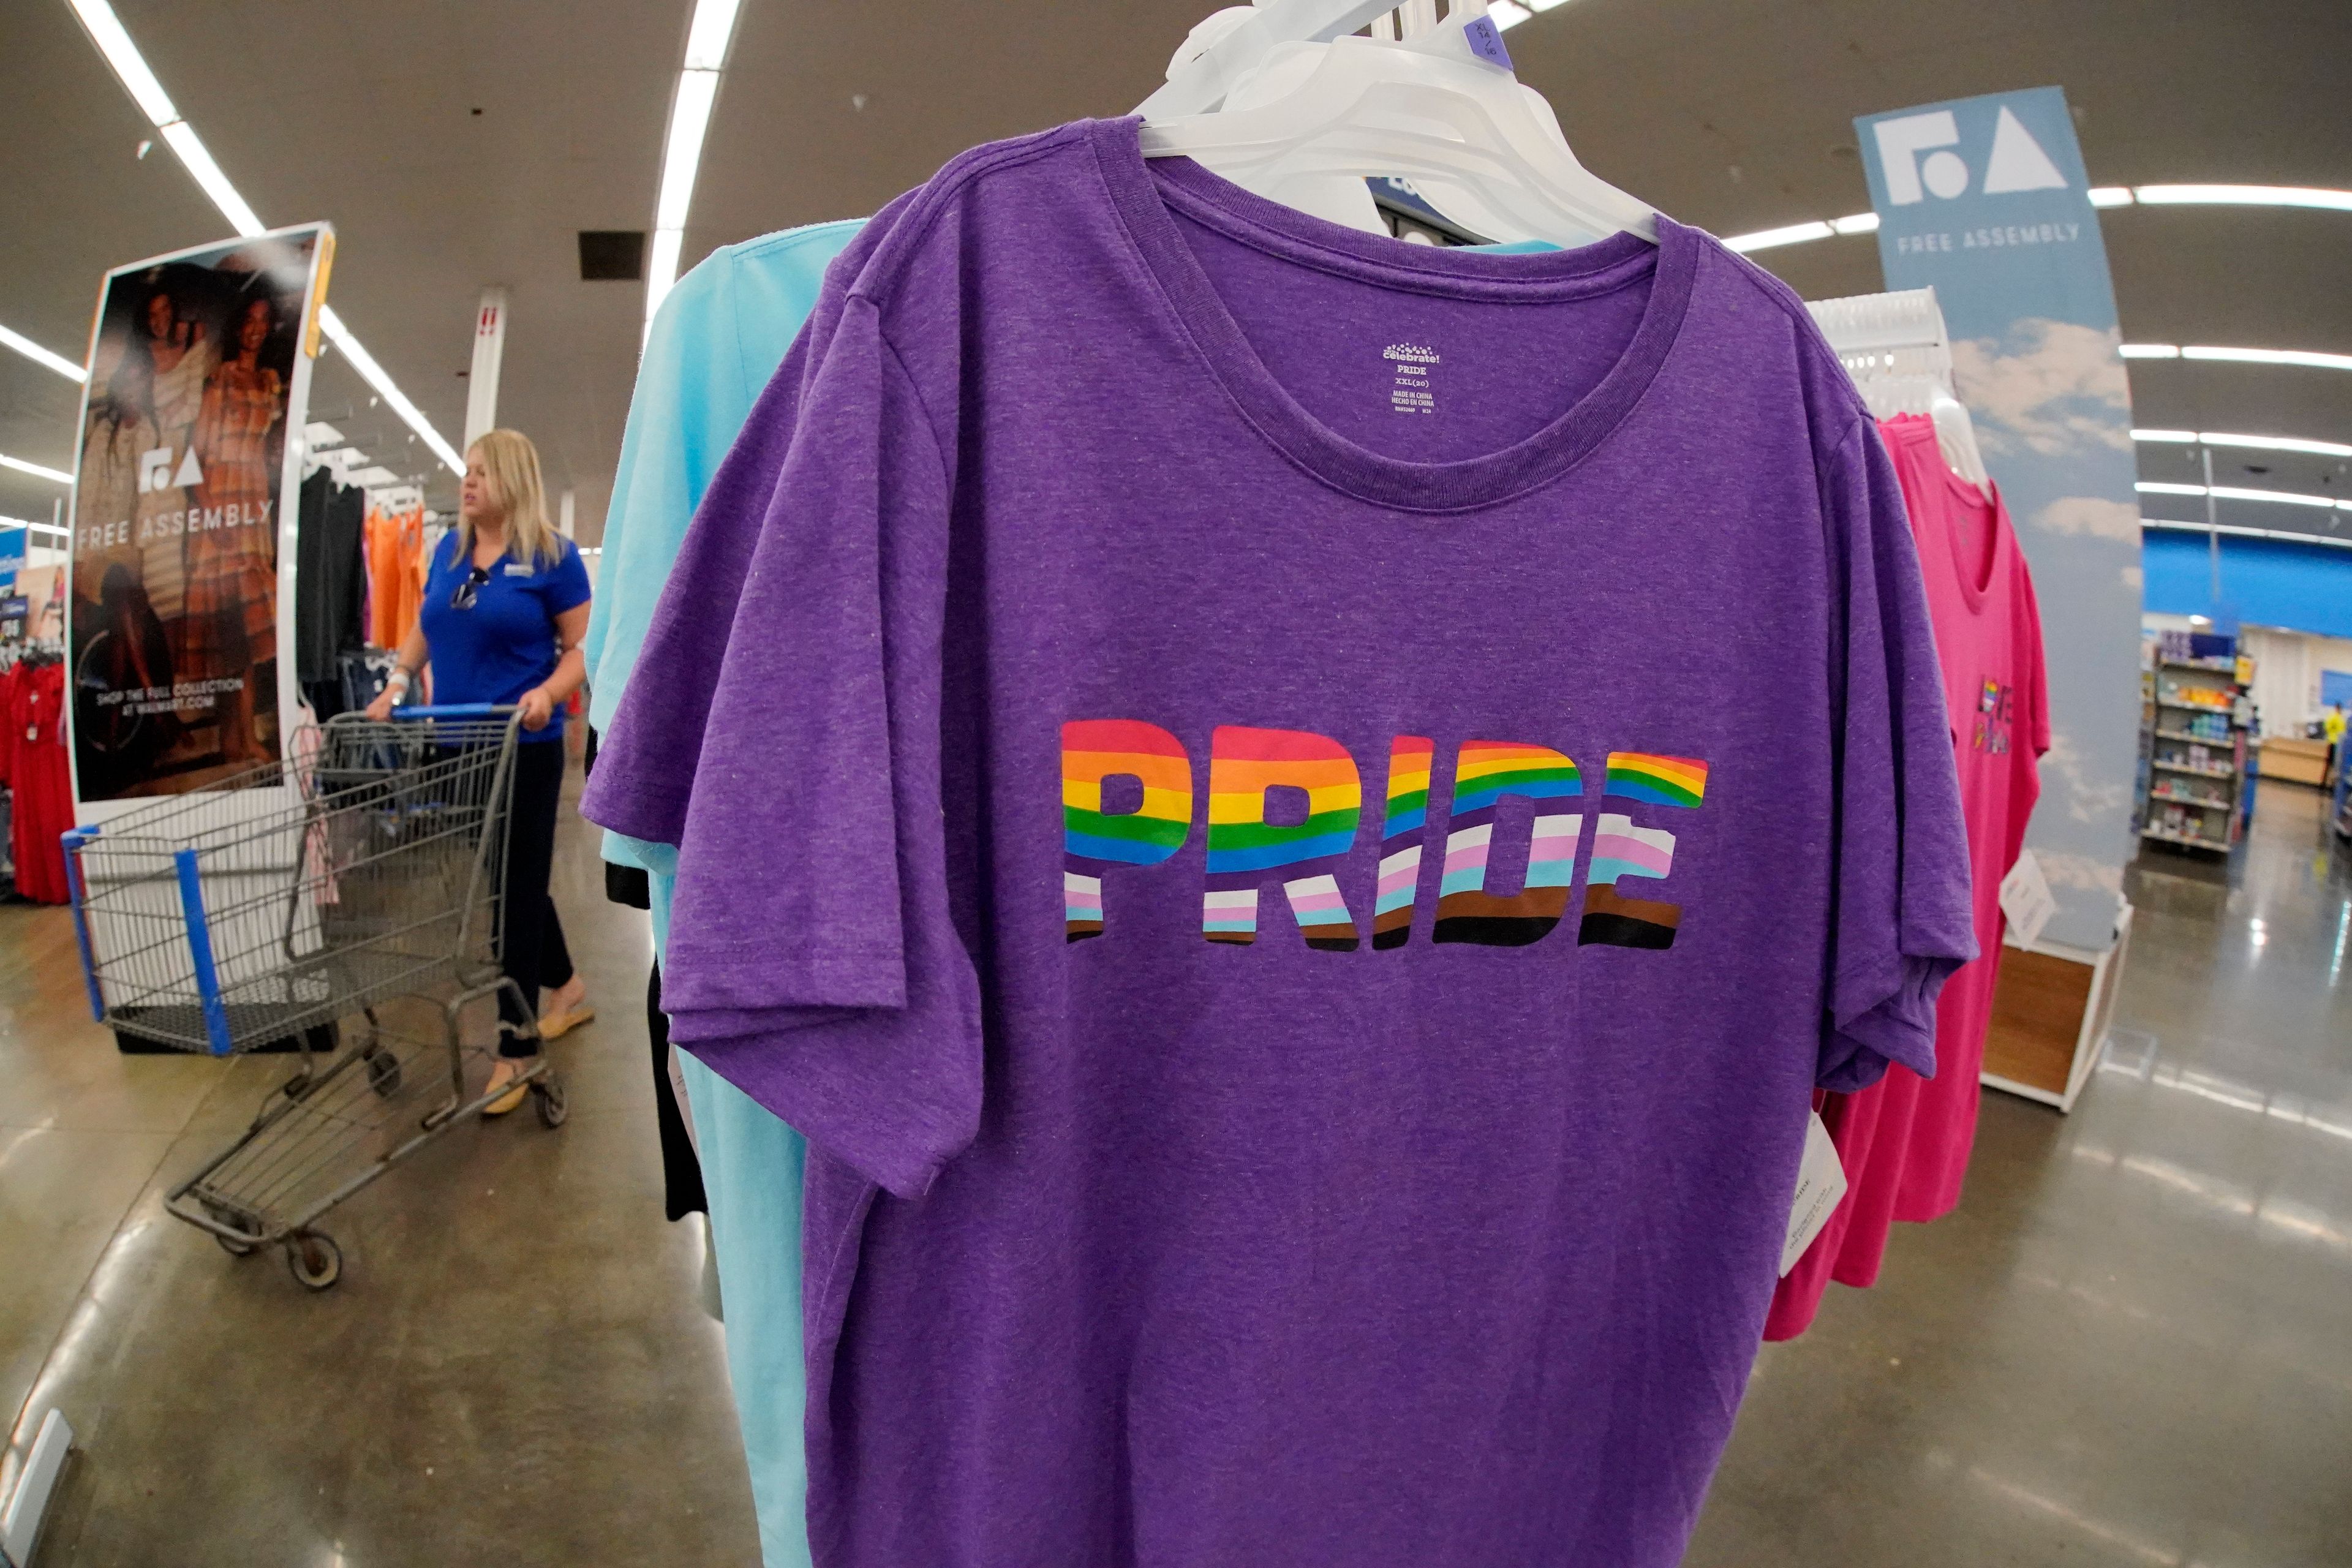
column 2131, row 1346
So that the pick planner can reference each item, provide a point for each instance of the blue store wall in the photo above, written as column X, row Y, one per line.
column 2266, row 581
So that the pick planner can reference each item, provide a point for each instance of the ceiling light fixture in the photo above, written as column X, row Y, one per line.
column 2237, row 492
column 41, row 356
column 53, row 530
column 2174, row 526
column 2244, row 196
column 707, row 37
column 106, row 32
column 35, row 469
column 2258, row 443
column 2100, row 196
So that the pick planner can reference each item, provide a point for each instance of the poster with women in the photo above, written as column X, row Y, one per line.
column 191, row 438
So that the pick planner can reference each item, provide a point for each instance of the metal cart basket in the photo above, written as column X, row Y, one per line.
column 285, row 903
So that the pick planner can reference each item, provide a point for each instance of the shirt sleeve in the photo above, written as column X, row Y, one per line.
column 1903, row 921
column 813, row 958
column 567, row 581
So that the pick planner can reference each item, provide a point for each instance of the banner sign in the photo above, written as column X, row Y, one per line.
column 1985, row 200
column 12, row 551
column 180, row 516
column 15, row 611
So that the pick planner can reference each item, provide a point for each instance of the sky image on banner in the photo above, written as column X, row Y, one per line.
column 196, row 377
column 1985, row 200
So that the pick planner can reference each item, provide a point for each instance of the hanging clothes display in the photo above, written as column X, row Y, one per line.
column 1905, row 1143
column 33, row 754
column 395, row 568
column 329, row 585
column 1110, row 531
column 715, row 342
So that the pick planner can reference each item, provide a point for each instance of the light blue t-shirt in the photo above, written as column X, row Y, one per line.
column 715, row 342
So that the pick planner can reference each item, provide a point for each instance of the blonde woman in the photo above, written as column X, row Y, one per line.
column 505, row 603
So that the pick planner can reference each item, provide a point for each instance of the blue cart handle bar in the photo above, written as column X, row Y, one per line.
column 456, row 711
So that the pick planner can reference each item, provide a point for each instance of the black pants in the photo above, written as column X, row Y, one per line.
column 530, row 939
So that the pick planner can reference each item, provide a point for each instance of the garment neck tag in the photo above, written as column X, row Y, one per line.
column 2026, row 899
column 1820, row 1182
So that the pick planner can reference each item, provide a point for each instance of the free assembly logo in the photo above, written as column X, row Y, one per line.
column 2015, row 162
column 1412, row 353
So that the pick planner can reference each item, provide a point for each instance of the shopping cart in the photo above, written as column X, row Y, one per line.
column 285, row 904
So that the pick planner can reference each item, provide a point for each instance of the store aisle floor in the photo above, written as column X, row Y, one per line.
column 515, row 1367
column 2132, row 1345
column 2129, row 1347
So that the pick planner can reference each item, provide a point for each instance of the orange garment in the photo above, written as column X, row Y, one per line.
column 396, row 566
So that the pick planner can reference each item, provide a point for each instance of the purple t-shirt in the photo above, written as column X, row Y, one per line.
column 1295, row 819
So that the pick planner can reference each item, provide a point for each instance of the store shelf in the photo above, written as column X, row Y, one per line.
column 2191, row 800
column 2193, row 841
column 2227, row 668
column 2184, row 768
column 2217, row 710
column 2185, row 735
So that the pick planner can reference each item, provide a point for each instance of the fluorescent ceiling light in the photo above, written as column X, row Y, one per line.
column 36, row 469
column 706, row 36
column 181, row 138
column 2244, row 195
column 374, row 373
column 2304, row 357
column 1765, row 239
column 661, row 269
column 2149, row 350
column 41, row 356
column 106, row 32
column 2257, row 442
column 689, row 117
column 2238, row 492
column 53, row 530
column 2176, row 526
column 2101, row 195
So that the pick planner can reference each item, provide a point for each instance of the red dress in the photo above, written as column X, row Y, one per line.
column 1905, row 1142
column 33, row 748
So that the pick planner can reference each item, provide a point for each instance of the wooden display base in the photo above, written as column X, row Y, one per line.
column 2294, row 759
column 2050, row 1015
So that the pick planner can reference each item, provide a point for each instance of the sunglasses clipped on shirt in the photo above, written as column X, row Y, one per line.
column 470, row 589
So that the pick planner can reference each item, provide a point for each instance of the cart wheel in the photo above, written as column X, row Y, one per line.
column 553, row 1110
column 314, row 1258
column 234, row 1247
column 383, row 1072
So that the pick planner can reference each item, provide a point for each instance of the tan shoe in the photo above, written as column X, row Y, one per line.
column 505, row 1072
column 555, row 1025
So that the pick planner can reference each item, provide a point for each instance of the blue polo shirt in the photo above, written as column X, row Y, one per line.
column 505, row 644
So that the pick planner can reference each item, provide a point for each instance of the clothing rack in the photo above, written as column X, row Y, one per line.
column 1899, row 353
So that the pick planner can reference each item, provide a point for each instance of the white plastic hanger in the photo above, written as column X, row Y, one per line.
column 1228, row 44
column 1482, row 149
column 1899, row 353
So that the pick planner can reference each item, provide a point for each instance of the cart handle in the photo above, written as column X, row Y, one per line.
column 456, row 711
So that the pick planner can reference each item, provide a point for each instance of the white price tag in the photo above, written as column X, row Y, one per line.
column 2026, row 899
column 1820, row 1182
